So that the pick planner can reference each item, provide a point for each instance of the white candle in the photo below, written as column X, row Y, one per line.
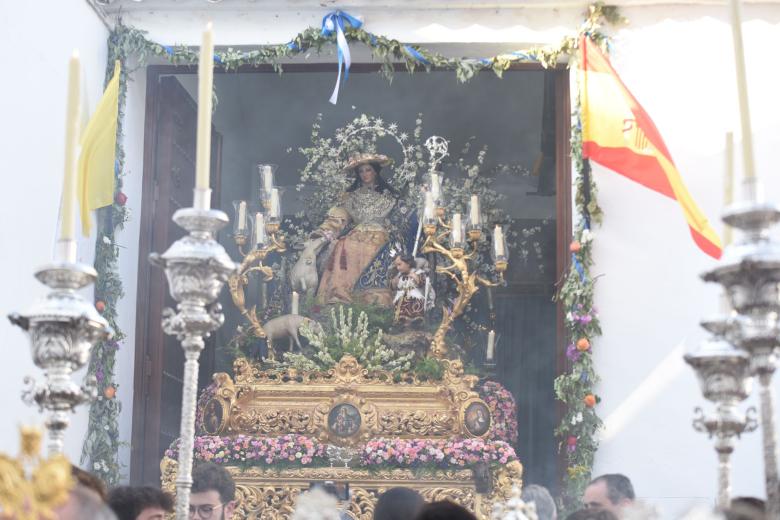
column 474, row 211
column 268, row 178
column 728, row 186
column 498, row 242
column 427, row 292
column 273, row 211
column 72, row 113
column 242, row 215
column 491, row 346
column 744, row 107
column 435, row 186
column 259, row 229
column 457, row 229
column 428, row 210
column 205, row 81
column 294, row 304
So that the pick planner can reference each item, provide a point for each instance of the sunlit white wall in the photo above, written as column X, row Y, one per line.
column 36, row 48
column 678, row 62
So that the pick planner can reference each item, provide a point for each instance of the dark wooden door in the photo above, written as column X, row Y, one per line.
column 169, row 178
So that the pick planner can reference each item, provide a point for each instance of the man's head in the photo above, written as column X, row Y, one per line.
column 398, row 503
column 610, row 492
column 140, row 503
column 213, row 493
column 545, row 505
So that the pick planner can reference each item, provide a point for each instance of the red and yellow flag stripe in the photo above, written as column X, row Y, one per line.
column 618, row 134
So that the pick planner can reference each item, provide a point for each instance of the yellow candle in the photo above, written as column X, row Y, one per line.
column 72, row 112
column 205, row 81
column 728, row 187
column 744, row 107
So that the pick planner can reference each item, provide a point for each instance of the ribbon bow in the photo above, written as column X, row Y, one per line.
column 334, row 22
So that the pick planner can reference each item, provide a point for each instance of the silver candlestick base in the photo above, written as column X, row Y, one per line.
column 63, row 327
column 750, row 273
column 725, row 425
column 724, row 376
column 197, row 267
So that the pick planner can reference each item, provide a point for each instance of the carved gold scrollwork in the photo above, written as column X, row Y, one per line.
column 271, row 494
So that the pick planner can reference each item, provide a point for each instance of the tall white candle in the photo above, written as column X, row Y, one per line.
column 205, row 82
column 274, row 210
column 457, row 229
column 499, row 248
column 72, row 113
column 259, row 229
column 268, row 178
column 242, row 215
column 728, row 184
column 474, row 211
column 491, row 346
column 295, row 303
column 428, row 210
column 744, row 107
column 427, row 292
column 435, row 186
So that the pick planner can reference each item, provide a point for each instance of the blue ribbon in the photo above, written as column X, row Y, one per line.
column 414, row 53
column 578, row 267
column 334, row 22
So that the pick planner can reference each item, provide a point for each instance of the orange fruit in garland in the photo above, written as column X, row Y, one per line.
column 109, row 392
column 575, row 246
column 100, row 305
column 583, row 344
column 589, row 400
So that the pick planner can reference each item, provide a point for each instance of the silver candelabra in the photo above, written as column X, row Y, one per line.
column 724, row 375
column 750, row 274
column 63, row 327
column 196, row 267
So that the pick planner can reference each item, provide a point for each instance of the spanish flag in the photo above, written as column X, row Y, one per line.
column 98, row 154
column 618, row 134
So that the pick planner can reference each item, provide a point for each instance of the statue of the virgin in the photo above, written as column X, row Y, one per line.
column 362, row 234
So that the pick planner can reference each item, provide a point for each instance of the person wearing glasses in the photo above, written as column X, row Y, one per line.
column 213, row 493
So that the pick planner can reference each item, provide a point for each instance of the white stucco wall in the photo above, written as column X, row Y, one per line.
column 37, row 47
column 679, row 65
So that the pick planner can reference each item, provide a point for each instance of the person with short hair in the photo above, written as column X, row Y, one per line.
column 140, row 503
column 542, row 499
column 444, row 510
column 89, row 481
column 213, row 491
column 746, row 508
column 592, row 514
column 398, row 503
column 611, row 492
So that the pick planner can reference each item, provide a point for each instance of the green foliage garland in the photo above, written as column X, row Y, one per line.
column 100, row 450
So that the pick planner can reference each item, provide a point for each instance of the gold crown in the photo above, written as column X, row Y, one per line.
column 30, row 486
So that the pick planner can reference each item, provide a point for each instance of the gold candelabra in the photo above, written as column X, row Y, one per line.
column 267, row 239
column 466, row 279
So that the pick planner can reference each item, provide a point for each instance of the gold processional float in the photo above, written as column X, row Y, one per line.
column 280, row 427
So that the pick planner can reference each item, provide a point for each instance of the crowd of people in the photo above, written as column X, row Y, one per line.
column 213, row 497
